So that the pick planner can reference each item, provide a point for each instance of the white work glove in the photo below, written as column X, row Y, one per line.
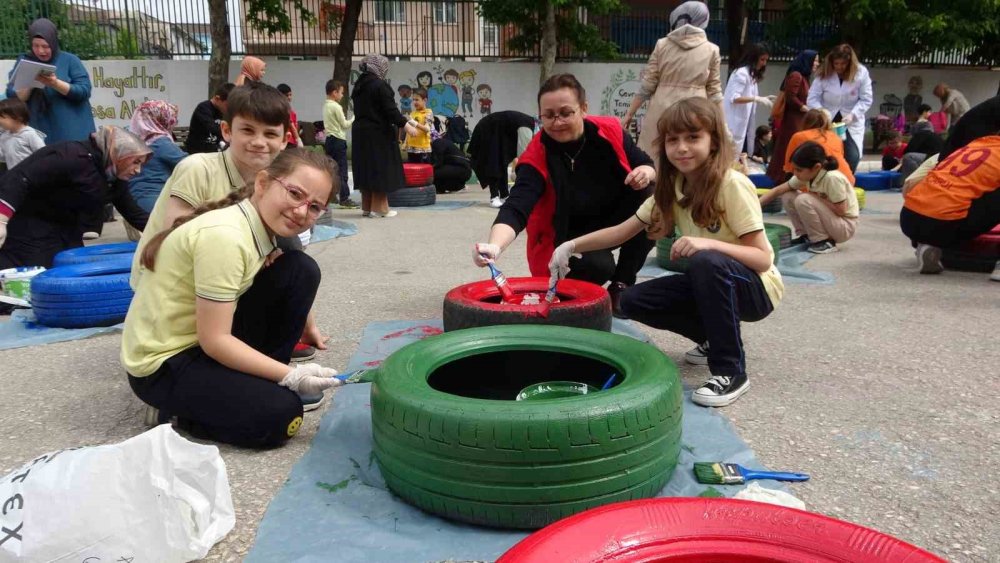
column 765, row 100
column 848, row 118
column 310, row 379
column 411, row 130
column 3, row 231
column 559, row 263
column 485, row 253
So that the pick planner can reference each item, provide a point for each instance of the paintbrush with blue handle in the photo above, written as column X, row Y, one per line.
column 714, row 473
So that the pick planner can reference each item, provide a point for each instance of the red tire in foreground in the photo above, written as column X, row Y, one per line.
column 710, row 529
column 977, row 255
column 581, row 304
column 417, row 174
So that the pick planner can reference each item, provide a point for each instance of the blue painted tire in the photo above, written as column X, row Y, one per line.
column 83, row 295
column 95, row 253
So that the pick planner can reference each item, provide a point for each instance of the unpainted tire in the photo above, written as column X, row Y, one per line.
column 581, row 304
column 525, row 464
column 413, row 197
column 709, row 529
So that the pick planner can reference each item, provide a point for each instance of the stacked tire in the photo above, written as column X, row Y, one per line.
column 779, row 236
column 775, row 206
column 86, row 287
column 977, row 255
column 419, row 189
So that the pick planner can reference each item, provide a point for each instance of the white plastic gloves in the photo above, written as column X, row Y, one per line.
column 484, row 253
column 765, row 100
column 559, row 263
column 411, row 129
column 3, row 231
column 310, row 379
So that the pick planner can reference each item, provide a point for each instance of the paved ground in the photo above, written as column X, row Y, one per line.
column 882, row 387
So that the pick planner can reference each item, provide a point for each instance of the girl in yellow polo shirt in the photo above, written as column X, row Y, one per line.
column 210, row 330
column 731, row 277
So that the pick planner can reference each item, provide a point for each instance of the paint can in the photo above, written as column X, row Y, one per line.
column 15, row 285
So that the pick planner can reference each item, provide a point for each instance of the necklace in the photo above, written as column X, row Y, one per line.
column 572, row 159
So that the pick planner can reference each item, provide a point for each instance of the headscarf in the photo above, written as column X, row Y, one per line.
column 375, row 64
column 45, row 29
column 153, row 120
column 117, row 147
column 803, row 63
column 250, row 70
column 693, row 12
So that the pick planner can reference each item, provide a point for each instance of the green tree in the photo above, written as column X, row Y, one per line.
column 886, row 30
column 345, row 47
column 269, row 16
column 83, row 39
column 546, row 23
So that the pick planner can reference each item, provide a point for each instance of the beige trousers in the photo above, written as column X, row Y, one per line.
column 811, row 216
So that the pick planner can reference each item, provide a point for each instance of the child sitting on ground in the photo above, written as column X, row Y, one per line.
column 418, row 147
column 762, row 145
column 894, row 150
column 731, row 276
column 825, row 213
column 18, row 139
column 210, row 331
column 923, row 122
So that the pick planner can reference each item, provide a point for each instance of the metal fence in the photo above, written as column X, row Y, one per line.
column 408, row 29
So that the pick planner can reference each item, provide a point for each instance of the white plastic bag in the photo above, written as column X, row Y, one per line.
column 154, row 497
column 754, row 491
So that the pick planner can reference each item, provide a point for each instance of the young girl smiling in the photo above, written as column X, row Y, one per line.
column 731, row 277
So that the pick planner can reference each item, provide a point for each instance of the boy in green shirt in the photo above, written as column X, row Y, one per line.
column 336, row 125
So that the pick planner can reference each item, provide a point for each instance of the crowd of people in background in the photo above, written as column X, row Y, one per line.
column 239, row 199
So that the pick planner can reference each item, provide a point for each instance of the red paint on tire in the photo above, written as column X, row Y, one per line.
column 696, row 529
column 418, row 174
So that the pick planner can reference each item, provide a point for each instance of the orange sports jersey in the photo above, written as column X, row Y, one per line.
column 966, row 175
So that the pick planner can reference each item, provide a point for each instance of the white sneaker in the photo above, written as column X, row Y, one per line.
column 697, row 356
column 90, row 235
column 390, row 213
column 995, row 276
column 496, row 202
column 929, row 258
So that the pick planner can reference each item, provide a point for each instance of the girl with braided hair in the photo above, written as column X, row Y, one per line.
column 211, row 329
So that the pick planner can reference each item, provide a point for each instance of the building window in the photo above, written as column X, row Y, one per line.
column 390, row 11
column 490, row 34
column 444, row 12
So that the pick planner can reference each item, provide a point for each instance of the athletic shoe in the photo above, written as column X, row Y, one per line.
column 311, row 402
column 91, row 235
column 823, row 247
column 366, row 214
column 929, row 258
column 720, row 390
column 152, row 416
column 615, row 290
column 348, row 204
column 801, row 239
column 496, row 203
column 697, row 356
column 303, row 353
column 995, row 276
column 390, row 213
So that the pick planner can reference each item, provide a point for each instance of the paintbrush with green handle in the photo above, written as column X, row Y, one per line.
column 715, row 473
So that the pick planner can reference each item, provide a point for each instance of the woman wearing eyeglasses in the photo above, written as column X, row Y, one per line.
column 580, row 173
column 210, row 331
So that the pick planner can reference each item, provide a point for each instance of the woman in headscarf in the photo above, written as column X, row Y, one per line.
column 683, row 64
column 44, row 201
column 61, row 108
column 377, row 164
column 252, row 69
column 153, row 122
column 795, row 87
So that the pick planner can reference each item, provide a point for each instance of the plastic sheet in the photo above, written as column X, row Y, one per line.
column 23, row 330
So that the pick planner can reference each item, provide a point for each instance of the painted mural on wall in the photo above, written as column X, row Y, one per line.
column 450, row 92
column 617, row 97
column 115, row 96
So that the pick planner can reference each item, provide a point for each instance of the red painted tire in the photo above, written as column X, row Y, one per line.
column 581, row 304
column 417, row 174
column 695, row 529
column 977, row 255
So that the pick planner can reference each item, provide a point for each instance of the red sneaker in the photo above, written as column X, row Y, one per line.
column 303, row 352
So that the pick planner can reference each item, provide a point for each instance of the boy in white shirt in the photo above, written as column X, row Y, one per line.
column 19, row 139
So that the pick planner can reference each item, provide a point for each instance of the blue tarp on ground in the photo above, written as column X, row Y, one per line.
column 23, row 330
column 335, row 505
column 335, row 229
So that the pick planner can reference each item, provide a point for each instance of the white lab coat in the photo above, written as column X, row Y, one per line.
column 740, row 117
column 853, row 98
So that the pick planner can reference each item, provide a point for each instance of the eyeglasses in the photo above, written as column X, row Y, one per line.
column 298, row 198
column 564, row 115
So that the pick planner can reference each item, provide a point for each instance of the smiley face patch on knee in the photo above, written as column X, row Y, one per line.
column 294, row 425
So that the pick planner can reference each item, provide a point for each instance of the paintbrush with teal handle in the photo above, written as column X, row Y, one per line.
column 711, row 473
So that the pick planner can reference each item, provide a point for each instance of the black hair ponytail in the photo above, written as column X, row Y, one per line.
column 810, row 154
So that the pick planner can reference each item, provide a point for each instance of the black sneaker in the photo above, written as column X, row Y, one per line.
column 615, row 291
column 823, row 247
column 311, row 402
column 303, row 353
column 697, row 356
column 801, row 239
column 720, row 390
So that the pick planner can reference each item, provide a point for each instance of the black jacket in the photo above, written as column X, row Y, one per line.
column 204, row 134
column 62, row 182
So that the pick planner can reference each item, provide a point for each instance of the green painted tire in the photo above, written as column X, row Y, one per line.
column 525, row 464
column 780, row 237
column 861, row 197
